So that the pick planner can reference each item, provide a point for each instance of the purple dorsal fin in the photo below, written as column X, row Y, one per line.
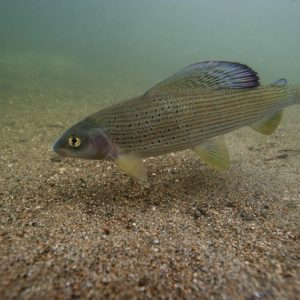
column 212, row 75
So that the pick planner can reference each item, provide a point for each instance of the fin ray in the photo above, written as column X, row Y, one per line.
column 268, row 125
column 133, row 166
column 214, row 153
column 211, row 74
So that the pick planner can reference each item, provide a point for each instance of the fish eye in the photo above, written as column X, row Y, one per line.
column 74, row 141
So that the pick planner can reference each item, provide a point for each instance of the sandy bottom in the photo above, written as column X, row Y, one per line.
column 83, row 229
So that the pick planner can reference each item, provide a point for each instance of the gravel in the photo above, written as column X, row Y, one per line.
column 83, row 229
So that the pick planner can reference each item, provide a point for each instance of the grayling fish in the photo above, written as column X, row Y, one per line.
column 186, row 111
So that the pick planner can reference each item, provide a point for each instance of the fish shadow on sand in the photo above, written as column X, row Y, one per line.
column 191, row 182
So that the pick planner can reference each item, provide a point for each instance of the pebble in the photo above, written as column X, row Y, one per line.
column 61, row 170
column 104, row 238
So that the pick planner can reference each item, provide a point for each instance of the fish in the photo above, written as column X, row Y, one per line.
column 192, row 109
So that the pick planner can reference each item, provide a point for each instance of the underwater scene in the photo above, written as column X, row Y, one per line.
column 149, row 149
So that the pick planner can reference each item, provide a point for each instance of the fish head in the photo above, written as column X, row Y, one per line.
column 82, row 141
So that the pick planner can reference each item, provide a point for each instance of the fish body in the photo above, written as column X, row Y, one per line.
column 186, row 111
column 150, row 125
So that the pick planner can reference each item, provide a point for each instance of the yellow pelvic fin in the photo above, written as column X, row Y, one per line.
column 268, row 126
column 132, row 166
column 214, row 153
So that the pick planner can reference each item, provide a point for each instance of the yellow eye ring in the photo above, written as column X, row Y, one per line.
column 74, row 141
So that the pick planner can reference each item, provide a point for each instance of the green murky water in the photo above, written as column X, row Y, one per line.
column 121, row 48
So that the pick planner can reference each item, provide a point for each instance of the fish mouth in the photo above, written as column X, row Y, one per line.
column 56, row 149
column 53, row 147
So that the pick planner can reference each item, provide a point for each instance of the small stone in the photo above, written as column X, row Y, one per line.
column 247, row 216
column 143, row 281
column 89, row 284
column 106, row 230
column 106, row 280
column 61, row 170
column 56, row 158
column 199, row 212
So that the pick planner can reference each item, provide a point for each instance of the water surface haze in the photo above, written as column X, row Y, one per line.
column 88, row 46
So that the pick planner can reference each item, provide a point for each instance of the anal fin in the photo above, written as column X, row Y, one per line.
column 133, row 166
column 214, row 153
column 268, row 125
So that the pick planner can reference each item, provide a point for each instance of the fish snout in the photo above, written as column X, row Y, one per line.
column 56, row 148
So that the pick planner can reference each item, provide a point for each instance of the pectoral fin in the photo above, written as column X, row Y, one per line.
column 268, row 126
column 132, row 166
column 214, row 153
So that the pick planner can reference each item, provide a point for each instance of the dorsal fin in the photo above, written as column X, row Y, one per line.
column 211, row 74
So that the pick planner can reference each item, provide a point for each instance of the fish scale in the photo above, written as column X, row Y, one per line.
column 147, row 124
